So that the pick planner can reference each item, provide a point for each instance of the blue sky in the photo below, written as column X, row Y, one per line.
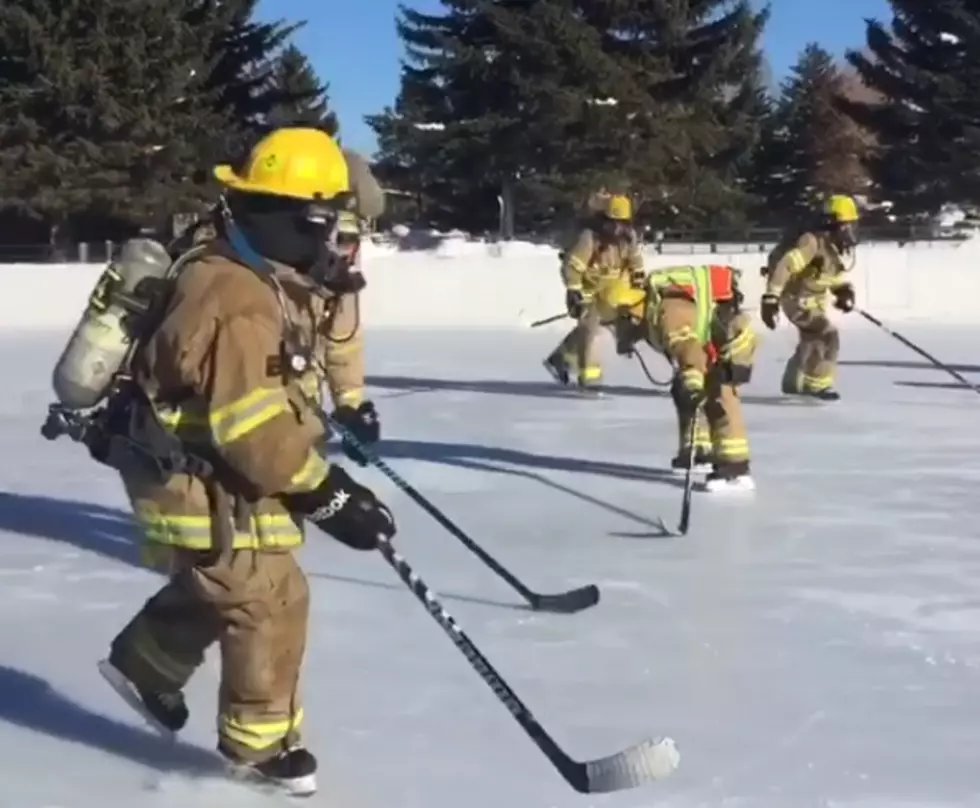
column 354, row 47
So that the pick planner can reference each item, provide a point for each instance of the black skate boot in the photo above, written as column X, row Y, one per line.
column 827, row 394
column 292, row 771
column 166, row 712
column 728, row 478
column 703, row 460
column 557, row 367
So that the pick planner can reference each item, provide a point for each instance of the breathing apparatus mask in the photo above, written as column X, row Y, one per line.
column 312, row 237
column 845, row 235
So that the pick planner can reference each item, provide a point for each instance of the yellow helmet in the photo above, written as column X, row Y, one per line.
column 295, row 162
column 841, row 208
column 619, row 208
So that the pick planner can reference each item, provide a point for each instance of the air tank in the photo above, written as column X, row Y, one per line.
column 116, row 309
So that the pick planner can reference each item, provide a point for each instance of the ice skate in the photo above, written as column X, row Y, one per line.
column 729, row 478
column 292, row 771
column 703, row 462
column 558, row 369
column 165, row 712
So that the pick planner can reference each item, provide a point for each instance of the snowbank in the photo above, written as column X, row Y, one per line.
column 460, row 283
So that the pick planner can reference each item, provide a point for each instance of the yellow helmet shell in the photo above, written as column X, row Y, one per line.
column 841, row 208
column 619, row 208
column 294, row 162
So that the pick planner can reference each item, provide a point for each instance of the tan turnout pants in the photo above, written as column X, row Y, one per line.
column 256, row 606
column 813, row 366
column 578, row 350
column 720, row 428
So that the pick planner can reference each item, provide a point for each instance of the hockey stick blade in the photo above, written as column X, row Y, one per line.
column 640, row 764
column 569, row 602
column 575, row 600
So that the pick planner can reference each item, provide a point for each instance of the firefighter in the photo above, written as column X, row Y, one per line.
column 692, row 315
column 233, row 372
column 604, row 252
column 800, row 273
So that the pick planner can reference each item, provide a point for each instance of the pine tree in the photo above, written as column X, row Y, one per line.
column 812, row 148
column 693, row 113
column 926, row 67
column 102, row 107
column 244, row 54
column 304, row 99
column 561, row 97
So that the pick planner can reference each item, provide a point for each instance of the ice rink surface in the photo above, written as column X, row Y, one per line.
column 817, row 644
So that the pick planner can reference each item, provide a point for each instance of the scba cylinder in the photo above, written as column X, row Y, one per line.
column 113, row 318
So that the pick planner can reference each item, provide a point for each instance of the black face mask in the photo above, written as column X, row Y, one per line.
column 277, row 228
column 283, row 230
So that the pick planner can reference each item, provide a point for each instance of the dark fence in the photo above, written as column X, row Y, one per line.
column 667, row 242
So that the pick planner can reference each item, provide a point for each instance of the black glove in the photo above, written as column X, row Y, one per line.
column 574, row 302
column 844, row 297
column 363, row 424
column 769, row 311
column 348, row 511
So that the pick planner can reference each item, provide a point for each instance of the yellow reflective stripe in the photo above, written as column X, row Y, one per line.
column 145, row 646
column 194, row 532
column 576, row 263
column 258, row 734
column 675, row 276
column 702, row 438
column 692, row 378
column 311, row 474
column 731, row 449
column 829, row 281
column 353, row 397
column 742, row 343
column 236, row 419
column 796, row 261
column 703, row 299
column 816, row 382
column 590, row 373
column 682, row 334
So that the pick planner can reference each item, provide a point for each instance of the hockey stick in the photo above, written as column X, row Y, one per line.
column 684, row 523
column 632, row 767
column 553, row 319
column 923, row 353
column 574, row 600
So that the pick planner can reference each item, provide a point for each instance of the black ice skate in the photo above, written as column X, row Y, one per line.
column 557, row 369
column 292, row 771
column 703, row 461
column 166, row 712
column 828, row 394
column 733, row 478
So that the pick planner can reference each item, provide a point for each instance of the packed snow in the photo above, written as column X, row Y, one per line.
column 814, row 644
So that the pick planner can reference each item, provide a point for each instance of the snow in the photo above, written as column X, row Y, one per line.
column 816, row 645
column 450, row 281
